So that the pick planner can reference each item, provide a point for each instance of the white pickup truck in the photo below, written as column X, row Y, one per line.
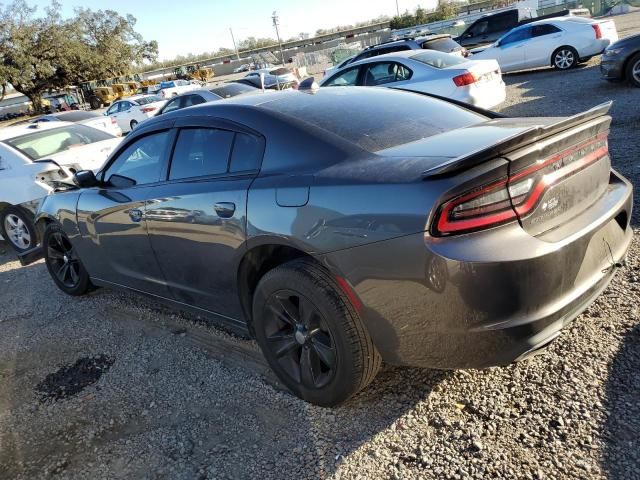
column 172, row 88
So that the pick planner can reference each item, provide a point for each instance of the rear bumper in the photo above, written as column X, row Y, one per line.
column 485, row 299
column 485, row 95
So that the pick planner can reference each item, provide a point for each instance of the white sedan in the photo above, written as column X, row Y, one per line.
column 561, row 42
column 476, row 82
column 34, row 159
column 131, row 111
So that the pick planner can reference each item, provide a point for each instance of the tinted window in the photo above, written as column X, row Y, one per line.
column 445, row 44
column 343, row 79
column 540, row 30
column 517, row 36
column 247, row 153
column 43, row 143
column 438, row 59
column 385, row 72
column 190, row 100
column 141, row 161
column 172, row 105
column 76, row 116
column 374, row 118
column 113, row 109
column 201, row 151
column 479, row 28
column 500, row 23
column 232, row 89
column 124, row 106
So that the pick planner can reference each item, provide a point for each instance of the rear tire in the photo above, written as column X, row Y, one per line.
column 564, row 58
column 63, row 263
column 16, row 226
column 632, row 72
column 95, row 103
column 311, row 334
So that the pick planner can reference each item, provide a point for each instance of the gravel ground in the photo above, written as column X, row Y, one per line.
column 111, row 386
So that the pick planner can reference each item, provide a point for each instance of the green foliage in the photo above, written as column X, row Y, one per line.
column 445, row 10
column 40, row 53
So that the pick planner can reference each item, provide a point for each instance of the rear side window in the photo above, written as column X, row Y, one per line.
column 547, row 29
column 201, row 152
column 191, row 100
column 247, row 153
column 437, row 59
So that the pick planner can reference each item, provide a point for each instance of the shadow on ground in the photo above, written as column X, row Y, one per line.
column 622, row 427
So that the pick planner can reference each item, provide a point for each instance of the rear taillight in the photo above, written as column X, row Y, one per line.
column 113, row 120
column 517, row 195
column 148, row 109
column 596, row 27
column 465, row 79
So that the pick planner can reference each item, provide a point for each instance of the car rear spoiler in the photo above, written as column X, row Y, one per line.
column 509, row 144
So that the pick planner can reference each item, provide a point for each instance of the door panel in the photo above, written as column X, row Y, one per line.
column 115, row 246
column 198, row 237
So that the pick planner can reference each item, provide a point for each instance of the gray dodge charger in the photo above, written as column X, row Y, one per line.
column 353, row 226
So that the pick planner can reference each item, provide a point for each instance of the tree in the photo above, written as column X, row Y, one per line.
column 36, row 54
column 445, row 10
column 45, row 53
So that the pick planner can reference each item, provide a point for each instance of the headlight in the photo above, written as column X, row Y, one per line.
column 613, row 51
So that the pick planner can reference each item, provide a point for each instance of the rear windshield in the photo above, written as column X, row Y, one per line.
column 444, row 44
column 149, row 99
column 77, row 116
column 372, row 118
column 438, row 59
column 43, row 143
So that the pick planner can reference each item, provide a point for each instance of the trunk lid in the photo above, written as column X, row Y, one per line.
column 608, row 30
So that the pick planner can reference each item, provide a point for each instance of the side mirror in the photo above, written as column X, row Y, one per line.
column 85, row 179
column 309, row 85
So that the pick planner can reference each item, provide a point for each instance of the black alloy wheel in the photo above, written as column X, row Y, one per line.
column 300, row 339
column 63, row 263
column 311, row 333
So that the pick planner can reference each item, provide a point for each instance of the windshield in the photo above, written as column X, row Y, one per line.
column 43, row 143
column 438, row 59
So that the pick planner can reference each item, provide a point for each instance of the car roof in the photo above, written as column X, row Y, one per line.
column 18, row 130
column 399, row 55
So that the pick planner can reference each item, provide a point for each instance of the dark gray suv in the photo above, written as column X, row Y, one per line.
column 352, row 226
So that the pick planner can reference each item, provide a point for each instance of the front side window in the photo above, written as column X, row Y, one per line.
column 191, row 100
column 517, row 36
column 125, row 106
column 385, row 72
column 113, row 108
column 48, row 142
column 344, row 79
column 201, row 152
column 142, row 161
column 479, row 28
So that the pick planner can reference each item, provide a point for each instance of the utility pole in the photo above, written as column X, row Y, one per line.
column 397, row 8
column 234, row 43
column 275, row 24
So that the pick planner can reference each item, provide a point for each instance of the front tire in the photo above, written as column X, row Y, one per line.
column 311, row 334
column 632, row 72
column 16, row 226
column 63, row 263
column 133, row 124
column 564, row 58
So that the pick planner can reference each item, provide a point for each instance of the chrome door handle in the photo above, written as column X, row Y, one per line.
column 135, row 215
column 225, row 209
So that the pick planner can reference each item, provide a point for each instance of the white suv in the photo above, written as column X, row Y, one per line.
column 34, row 160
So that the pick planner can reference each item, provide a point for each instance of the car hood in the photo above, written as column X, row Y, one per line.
column 633, row 40
column 86, row 157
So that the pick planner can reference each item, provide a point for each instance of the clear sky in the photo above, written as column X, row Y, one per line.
column 196, row 26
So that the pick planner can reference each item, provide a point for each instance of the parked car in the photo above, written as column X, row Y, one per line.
column 477, row 82
column 134, row 110
column 441, row 42
column 490, row 27
column 621, row 61
column 196, row 97
column 84, row 117
column 274, row 78
column 561, row 43
column 148, row 90
column 245, row 67
column 172, row 88
column 324, row 244
column 35, row 159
